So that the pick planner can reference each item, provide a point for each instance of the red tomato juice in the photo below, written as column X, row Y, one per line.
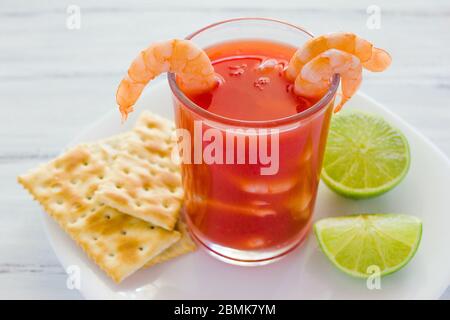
column 233, row 205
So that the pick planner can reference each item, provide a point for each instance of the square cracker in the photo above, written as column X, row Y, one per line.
column 143, row 190
column 118, row 243
column 142, row 180
column 132, row 144
column 156, row 132
column 182, row 246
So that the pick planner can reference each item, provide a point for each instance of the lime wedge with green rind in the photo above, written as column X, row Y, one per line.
column 360, row 244
column 365, row 156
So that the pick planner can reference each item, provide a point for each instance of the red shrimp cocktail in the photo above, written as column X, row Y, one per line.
column 252, row 200
column 252, row 111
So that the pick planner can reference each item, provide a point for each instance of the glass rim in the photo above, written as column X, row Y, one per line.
column 319, row 105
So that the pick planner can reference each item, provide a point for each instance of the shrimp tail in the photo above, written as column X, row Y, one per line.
column 127, row 93
column 191, row 64
column 344, row 53
column 314, row 78
column 379, row 61
column 124, row 113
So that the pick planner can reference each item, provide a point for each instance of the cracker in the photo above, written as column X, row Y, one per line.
column 142, row 181
column 182, row 246
column 134, row 145
column 143, row 190
column 118, row 243
column 156, row 131
column 157, row 140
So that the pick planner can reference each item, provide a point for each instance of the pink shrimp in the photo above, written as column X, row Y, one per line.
column 314, row 78
column 195, row 73
column 373, row 59
column 313, row 65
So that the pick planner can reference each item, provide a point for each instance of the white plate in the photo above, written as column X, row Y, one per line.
column 305, row 273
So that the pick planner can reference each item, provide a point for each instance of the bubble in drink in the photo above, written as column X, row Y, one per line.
column 261, row 82
column 237, row 70
column 239, row 66
column 269, row 65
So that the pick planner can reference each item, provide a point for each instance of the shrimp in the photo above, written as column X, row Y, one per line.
column 314, row 78
column 195, row 73
column 372, row 59
column 343, row 53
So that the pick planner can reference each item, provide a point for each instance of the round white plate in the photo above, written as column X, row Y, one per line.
column 305, row 273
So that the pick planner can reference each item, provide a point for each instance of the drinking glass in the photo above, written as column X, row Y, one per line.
column 233, row 210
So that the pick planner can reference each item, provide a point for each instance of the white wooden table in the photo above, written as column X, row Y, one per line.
column 55, row 80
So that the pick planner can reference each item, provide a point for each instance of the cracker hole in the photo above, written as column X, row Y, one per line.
column 111, row 255
column 126, row 171
column 85, row 163
column 60, row 202
column 118, row 186
column 141, row 249
column 108, row 217
column 138, row 204
column 123, row 232
column 94, row 238
column 101, row 177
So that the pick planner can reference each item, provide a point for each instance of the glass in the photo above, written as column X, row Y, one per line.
column 235, row 212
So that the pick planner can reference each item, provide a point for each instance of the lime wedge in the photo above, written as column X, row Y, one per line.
column 361, row 244
column 365, row 156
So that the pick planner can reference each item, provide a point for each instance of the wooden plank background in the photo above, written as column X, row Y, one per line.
column 55, row 81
